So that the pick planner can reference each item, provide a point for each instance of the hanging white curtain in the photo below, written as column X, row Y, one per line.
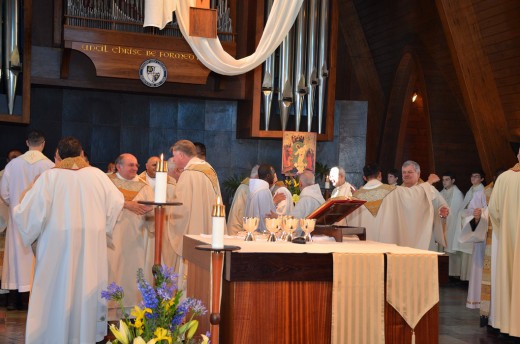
column 209, row 50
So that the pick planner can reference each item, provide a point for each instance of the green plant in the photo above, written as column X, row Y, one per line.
column 231, row 184
column 322, row 171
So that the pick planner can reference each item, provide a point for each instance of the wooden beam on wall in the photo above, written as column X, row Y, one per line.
column 477, row 82
column 366, row 74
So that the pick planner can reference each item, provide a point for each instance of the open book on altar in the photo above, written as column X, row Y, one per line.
column 334, row 210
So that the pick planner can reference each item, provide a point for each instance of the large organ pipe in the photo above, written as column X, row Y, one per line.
column 267, row 84
column 323, row 71
column 285, row 97
column 11, row 54
column 300, row 89
column 312, row 74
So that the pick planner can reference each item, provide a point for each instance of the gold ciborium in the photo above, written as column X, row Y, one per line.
column 289, row 225
column 250, row 225
column 272, row 225
column 307, row 226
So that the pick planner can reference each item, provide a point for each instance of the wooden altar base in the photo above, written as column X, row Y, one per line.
column 283, row 298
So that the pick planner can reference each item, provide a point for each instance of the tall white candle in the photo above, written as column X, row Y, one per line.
column 161, row 177
column 160, row 187
column 218, row 222
column 217, row 238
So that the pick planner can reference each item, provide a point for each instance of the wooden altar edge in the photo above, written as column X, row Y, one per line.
column 131, row 50
column 275, row 266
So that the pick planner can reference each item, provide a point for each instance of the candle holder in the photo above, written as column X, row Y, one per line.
column 217, row 260
column 159, row 223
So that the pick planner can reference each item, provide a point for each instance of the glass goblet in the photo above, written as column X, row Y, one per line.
column 307, row 226
column 272, row 225
column 250, row 225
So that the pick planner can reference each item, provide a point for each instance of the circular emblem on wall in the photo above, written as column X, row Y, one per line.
column 153, row 73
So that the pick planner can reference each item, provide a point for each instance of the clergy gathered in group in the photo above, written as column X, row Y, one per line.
column 85, row 229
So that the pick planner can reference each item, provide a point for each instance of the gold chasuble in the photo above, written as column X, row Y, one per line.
column 209, row 172
column 374, row 197
column 75, row 163
column 128, row 188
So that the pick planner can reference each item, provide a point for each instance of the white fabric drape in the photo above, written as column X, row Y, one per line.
column 358, row 298
column 412, row 285
column 209, row 50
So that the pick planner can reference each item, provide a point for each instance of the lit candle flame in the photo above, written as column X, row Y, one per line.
column 219, row 201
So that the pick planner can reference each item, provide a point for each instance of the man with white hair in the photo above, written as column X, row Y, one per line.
column 310, row 196
column 411, row 173
column 197, row 189
column 238, row 207
column 342, row 187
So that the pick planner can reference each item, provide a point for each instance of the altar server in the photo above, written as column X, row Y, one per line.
column 310, row 196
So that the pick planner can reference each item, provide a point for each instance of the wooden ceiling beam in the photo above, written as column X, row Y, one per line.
column 477, row 83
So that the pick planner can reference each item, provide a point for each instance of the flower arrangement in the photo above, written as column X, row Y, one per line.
column 293, row 185
column 162, row 317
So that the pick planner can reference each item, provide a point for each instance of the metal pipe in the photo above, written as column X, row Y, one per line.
column 300, row 89
column 312, row 74
column 323, row 71
column 12, row 61
column 285, row 97
column 268, row 80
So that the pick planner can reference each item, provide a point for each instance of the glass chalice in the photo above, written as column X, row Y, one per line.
column 272, row 225
column 307, row 226
column 289, row 225
column 250, row 225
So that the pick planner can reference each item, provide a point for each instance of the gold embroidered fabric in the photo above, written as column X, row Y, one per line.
column 374, row 197
column 128, row 188
column 516, row 168
column 74, row 163
column 485, row 290
column 208, row 171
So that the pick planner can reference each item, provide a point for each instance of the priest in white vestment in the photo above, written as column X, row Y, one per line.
column 454, row 198
column 68, row 212
column 127, row 248
column 168, row 255
column 505, row 217
column 235, row 222
column 4, row 208
column 18, row 175
column 395, row 214
column 197, row 189
column 260, row 200
column 286, row 205
column 411, row 173
column 310, row 196
column 342, row 188
column 466, row 249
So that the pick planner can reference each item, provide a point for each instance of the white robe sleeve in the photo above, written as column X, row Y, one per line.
column 31, row 214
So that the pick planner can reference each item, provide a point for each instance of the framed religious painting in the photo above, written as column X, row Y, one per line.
column 298, row 152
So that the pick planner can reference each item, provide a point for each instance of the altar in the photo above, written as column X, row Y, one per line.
column 289, row 293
